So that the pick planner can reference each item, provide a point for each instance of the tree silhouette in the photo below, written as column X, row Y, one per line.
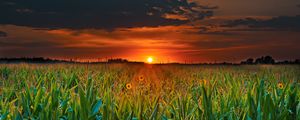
column 248, row 61
column 268, row 60
column 117, row 60
column 265, row 60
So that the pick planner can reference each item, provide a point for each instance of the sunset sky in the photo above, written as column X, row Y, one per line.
column 167, row 30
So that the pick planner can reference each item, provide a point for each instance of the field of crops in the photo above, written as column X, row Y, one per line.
column 137, row 91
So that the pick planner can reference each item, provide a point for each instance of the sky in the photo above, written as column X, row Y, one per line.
column 167, row 30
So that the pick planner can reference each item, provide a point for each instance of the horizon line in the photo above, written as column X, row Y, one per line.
column 122, row 60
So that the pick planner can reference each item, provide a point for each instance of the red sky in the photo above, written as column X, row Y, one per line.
column 230, row 34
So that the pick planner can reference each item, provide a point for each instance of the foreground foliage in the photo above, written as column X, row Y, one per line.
column 121, row 91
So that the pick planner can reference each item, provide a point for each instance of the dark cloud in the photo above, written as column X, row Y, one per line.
column 40, row 44
column 3, row 34
column 98, row 14
column 208, row 7
column 223, row 33
column 281, row 23
column 66, row 52
column 210, row 30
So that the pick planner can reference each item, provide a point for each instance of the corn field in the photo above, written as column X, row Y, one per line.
column 149, row 92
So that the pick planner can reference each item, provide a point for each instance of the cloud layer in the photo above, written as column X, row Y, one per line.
column 176, row 30
column 100, row 14
column 3, row 34
column 176, row 43
column 281, row 23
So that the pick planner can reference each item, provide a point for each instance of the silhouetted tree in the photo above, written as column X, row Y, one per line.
column 297, row 61
column 117, row 60
column 258, row 61
column 265, row 60
column 268, row 60
column 250, row 61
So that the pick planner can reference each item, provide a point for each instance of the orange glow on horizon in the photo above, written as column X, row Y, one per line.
column 149, row 59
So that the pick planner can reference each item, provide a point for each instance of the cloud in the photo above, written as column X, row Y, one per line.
column 37, row 44
column 212, row 30
column 100, row 14
column 281, row 23
column 3, row 34
column 176, row 42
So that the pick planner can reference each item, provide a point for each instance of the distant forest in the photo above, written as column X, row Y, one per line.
column 249, row 61
column 268, row 60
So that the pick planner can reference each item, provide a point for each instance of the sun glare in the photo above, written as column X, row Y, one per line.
column 149, row 59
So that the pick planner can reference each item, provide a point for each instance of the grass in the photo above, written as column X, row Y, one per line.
column 137, row 92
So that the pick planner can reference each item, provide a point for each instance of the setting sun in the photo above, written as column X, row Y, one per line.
column 149, row 59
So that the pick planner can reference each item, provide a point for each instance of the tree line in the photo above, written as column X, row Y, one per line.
column 268, row 60
column 249, row 61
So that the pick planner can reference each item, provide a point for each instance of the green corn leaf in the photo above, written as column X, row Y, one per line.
column 96, row 107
